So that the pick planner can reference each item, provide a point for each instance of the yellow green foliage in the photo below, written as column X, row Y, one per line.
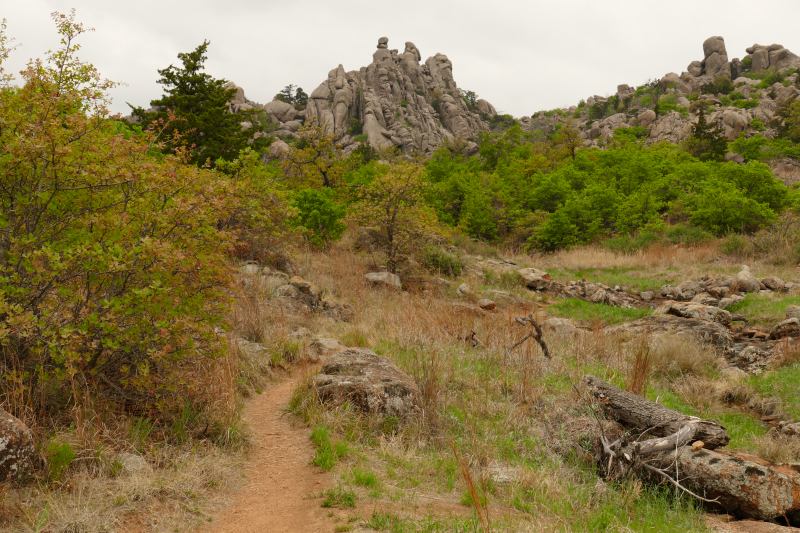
column 394, row 203
column 112, row 255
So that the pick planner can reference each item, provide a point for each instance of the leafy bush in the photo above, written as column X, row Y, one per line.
column 680, row 233
column 113, row 272
column 319, row 216
column 627, row 243
column 437, row 260
column 59, row 457
column 752, row 103
column 771, row 79
column 757, row 125
column 720, row 85
column 355, row 127
column 361, row 138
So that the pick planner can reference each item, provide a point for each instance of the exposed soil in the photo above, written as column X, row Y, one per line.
column 284, row 491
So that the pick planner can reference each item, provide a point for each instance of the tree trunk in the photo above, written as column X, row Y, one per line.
column 640, row 413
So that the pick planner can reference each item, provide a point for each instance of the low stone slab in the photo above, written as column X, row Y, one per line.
column 371, row 383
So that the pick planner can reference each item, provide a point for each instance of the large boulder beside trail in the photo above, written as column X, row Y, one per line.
column 369, row 382
column 16, row 448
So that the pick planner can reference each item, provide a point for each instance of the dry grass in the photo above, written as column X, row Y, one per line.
column 674, row 355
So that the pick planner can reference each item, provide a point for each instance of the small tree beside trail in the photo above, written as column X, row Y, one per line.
column 394, row 204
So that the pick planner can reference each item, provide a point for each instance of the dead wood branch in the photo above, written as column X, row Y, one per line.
column 640, row 413
column 535, row 334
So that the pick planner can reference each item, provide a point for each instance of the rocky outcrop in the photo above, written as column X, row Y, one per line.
column 17, row 448
column 705, row 331
column 715, row 63
column 773, row 56
column 695, row 310
column 369, row 382
column 399, row 102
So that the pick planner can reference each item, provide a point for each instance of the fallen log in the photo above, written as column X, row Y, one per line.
column 744, row 485
column 640, row 413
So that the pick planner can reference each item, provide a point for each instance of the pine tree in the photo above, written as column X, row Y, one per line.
column 706, row 141
column 201, row 102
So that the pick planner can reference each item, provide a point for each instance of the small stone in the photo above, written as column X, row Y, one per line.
column 646, row 295
column 464, row 290
column 384, row 278
column 698, row 446
column 486, row 304
column 793, row 311
column 130, row 463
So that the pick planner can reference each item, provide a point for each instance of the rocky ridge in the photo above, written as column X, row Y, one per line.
column 394, row 101
column 631, row 107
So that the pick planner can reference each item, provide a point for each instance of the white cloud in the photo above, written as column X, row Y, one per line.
column 520, row 55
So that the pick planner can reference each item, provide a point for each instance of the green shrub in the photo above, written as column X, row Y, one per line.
column 403, row 103
column 581, row 104
column 437, row 260
column 355, row 127
column 752, row 103
column 687, row 234
column 721, row 85
column 59, row 457
column 328, row 451
column 114, row 271
column 736, row 95
column 319, row 216
column 757, row 125
column 627, row 243
column 361, row 138
column 733, row 244
column 770, row 80
column 747, row 63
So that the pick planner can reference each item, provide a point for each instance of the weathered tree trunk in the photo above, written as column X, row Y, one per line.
column 640, row 413
column 746, row 486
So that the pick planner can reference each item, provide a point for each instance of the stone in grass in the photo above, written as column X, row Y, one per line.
column 16, row 448
column 464, row 290
column 368, row 382
column 487, row 304
column 322, row 347
column 131, row 463
column 384, row 278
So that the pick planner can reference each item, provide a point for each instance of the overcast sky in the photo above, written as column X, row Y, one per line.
column 521, row 55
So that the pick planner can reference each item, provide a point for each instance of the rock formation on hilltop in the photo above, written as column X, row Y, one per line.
column 394, row 101
column 736, row 94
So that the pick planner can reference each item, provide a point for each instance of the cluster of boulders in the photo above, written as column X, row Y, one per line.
column 296, row 291
column 393, row 101
column 675, row 126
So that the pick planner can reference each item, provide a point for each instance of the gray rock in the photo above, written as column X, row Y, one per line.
column 486, row 304
column 17, row 448
column 384, row 278
column 793, row 311
column 695, row 310
column 132, row 463
column 369, row 382
column 787, row 328
column 646, row 295
column 746, row 281
column 322, row 347
column 464, row 290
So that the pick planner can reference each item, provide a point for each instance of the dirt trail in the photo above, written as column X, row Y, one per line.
column 282, row 492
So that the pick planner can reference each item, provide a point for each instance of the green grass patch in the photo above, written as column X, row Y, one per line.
column 784, row 383
column 628, row 278
column 764, row 310
column 589, row 312
column 328, row 451
column 742, row 427
column 365, row 478
column 339, row 497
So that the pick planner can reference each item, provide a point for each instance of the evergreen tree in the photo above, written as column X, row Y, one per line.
column 201, row 102
column 706, row 141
